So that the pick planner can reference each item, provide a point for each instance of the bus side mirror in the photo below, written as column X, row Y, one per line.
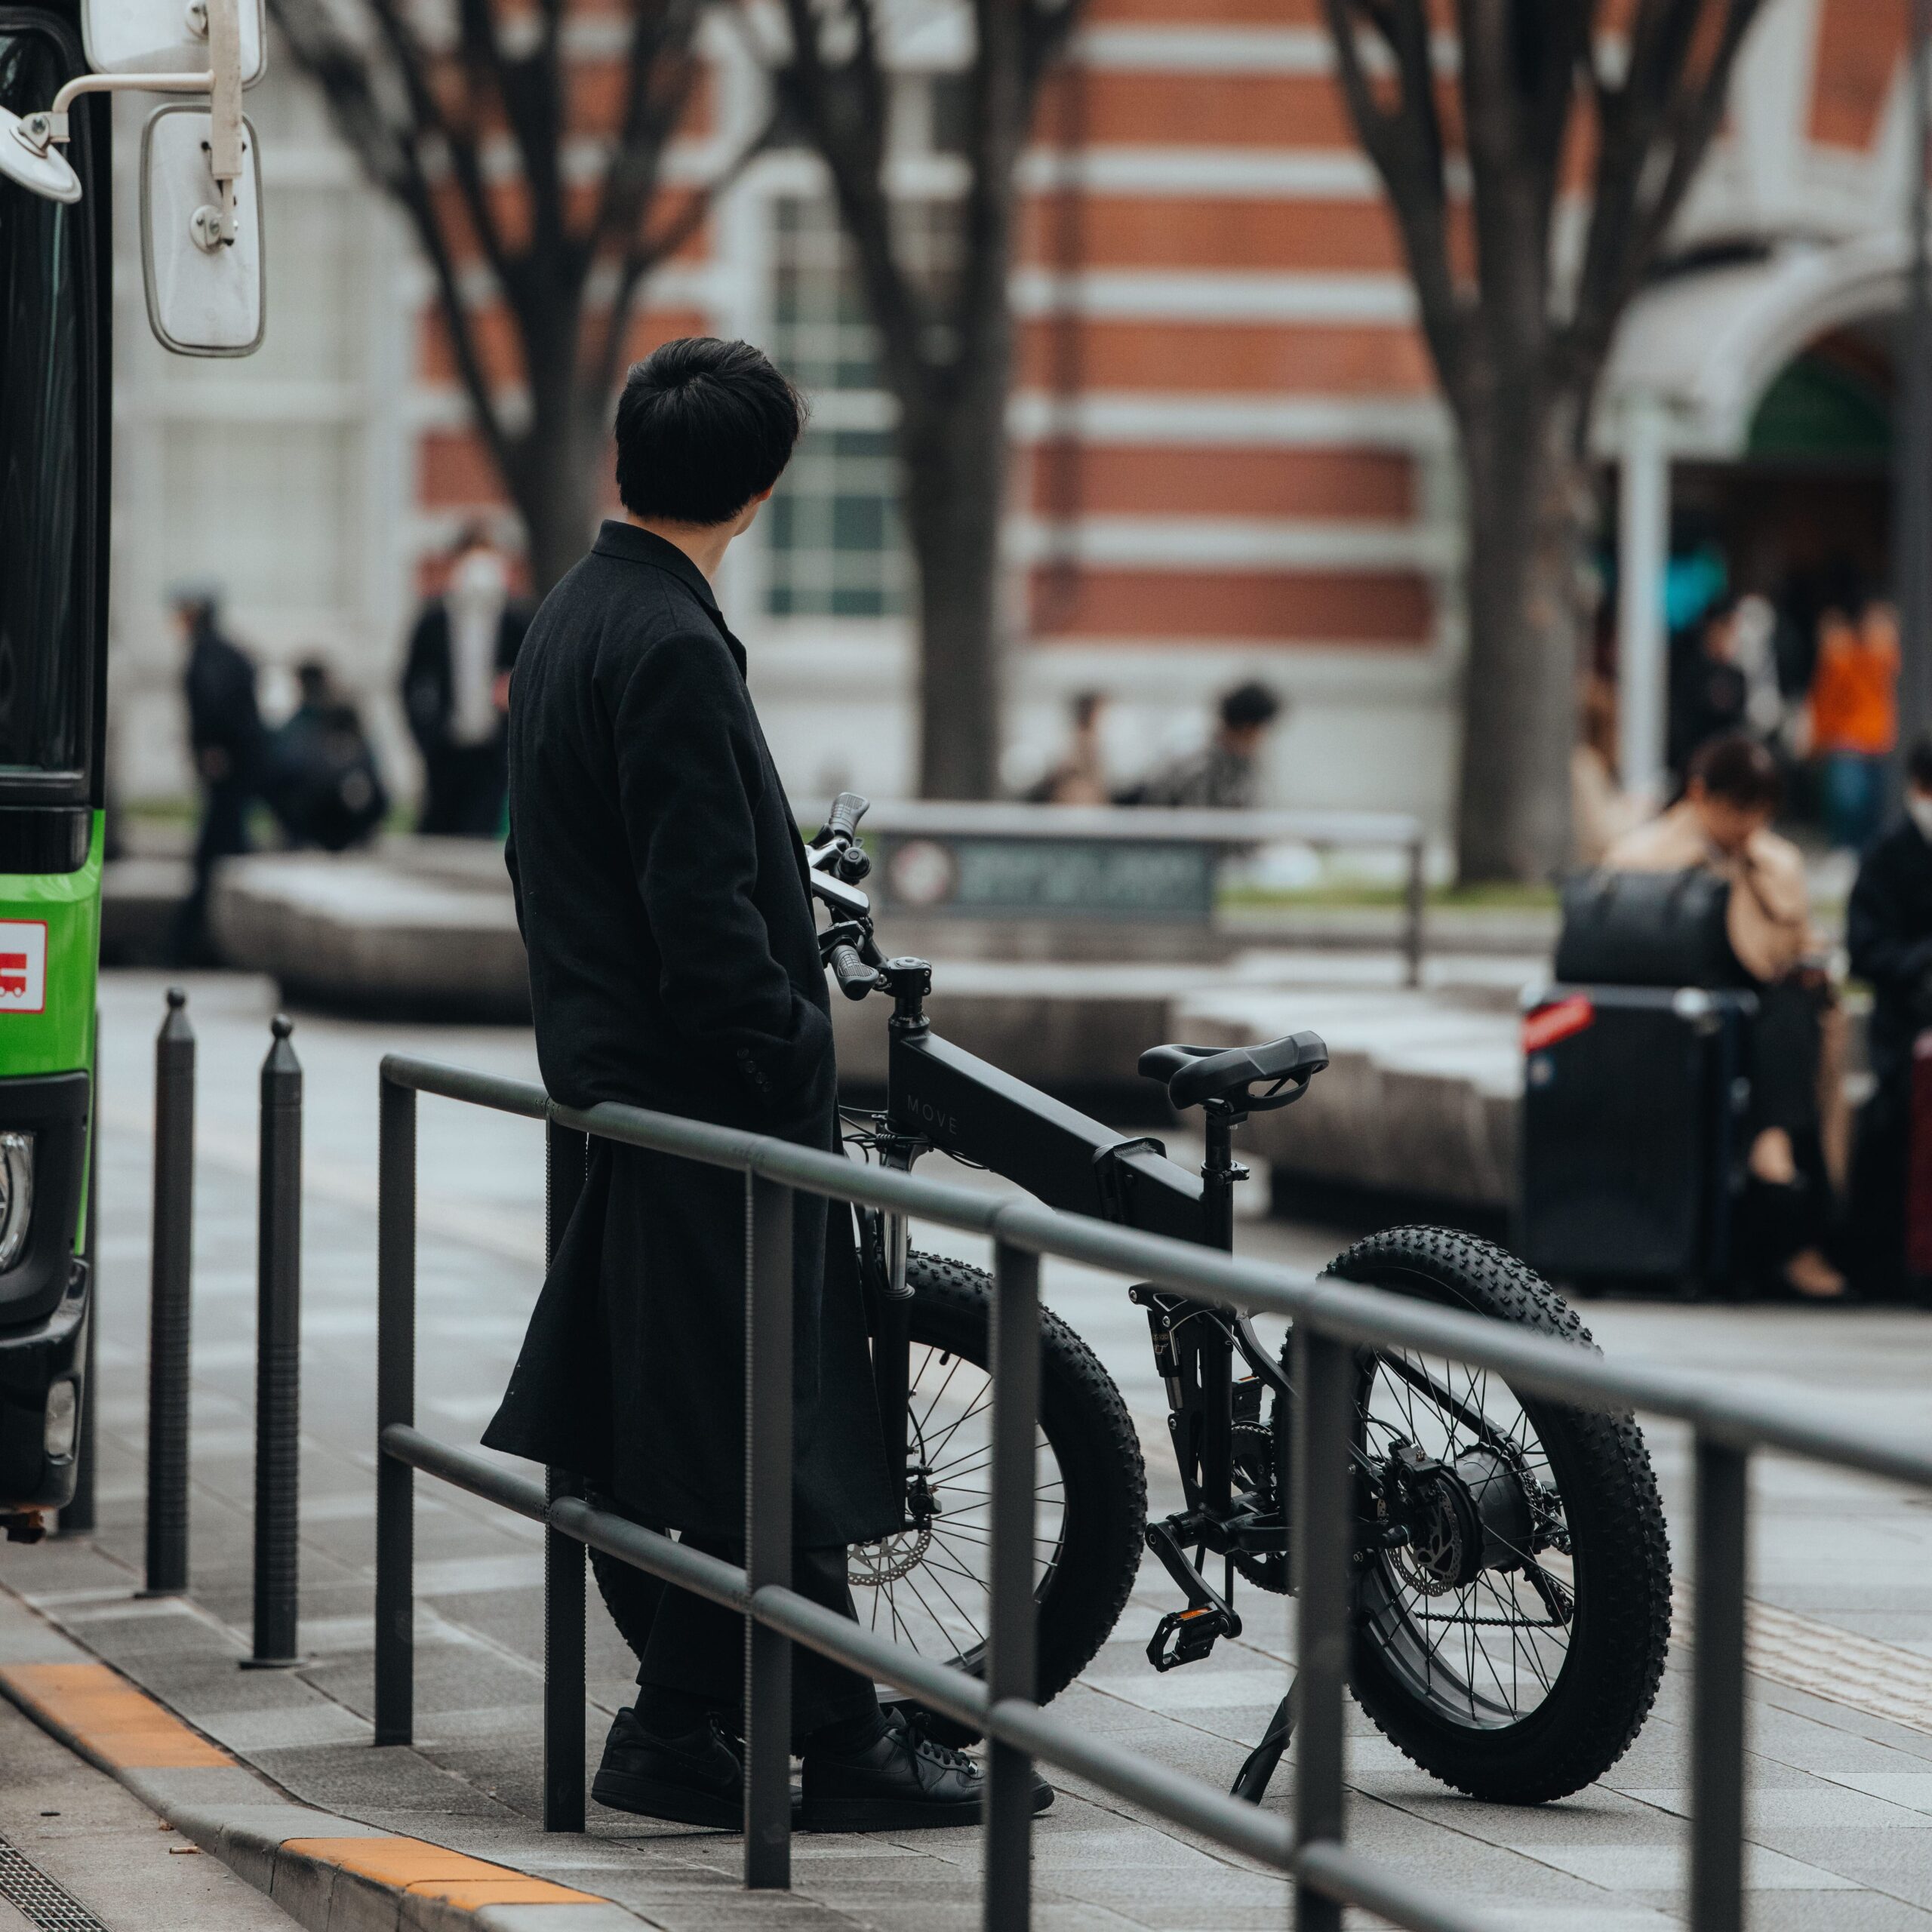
column 207, row 295
column 164, row 37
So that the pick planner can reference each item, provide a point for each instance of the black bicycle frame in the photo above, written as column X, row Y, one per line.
column 941, row 1098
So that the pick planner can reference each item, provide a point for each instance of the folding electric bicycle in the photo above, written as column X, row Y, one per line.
column 1513, row 1581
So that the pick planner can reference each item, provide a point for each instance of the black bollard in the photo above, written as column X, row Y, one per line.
column 169, row 1300
column 278, row 1355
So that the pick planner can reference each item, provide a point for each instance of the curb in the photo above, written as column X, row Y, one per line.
column 329, row 1874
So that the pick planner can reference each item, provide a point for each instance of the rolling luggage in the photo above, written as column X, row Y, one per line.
column 1631, row 1140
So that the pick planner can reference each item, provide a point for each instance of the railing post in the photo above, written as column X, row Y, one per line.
column 565, row 1157
column 78, row 1516
column 768, row 1427
column 1011, row 1621
column 395, row 1402
column 1415, row 910
column 279, row 1355
column 170, row 1299
column 1717, row 1691
column 1322, row 1481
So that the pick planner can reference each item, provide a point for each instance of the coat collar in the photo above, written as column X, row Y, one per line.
column 626, row 542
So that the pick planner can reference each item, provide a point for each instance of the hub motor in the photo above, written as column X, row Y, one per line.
column 1463, row 1517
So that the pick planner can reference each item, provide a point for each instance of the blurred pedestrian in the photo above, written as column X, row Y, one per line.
column 320, row 775
column 1079, row 777
column 1722, row 825
column 455, row 690
column 1855, row 718
column 1709, row 691
column 225, row 737
column 1754, row 646
column 1225, row 771
column 1888, row 931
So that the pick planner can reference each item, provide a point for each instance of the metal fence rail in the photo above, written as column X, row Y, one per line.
column 1331, row 1320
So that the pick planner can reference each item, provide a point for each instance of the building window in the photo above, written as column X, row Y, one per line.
column 836, row 546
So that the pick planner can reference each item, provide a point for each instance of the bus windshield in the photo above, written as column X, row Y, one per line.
column 44, row 473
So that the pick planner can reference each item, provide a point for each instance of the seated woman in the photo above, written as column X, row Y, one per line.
column 1722, row 824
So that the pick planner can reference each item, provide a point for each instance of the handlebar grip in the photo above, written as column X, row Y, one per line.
column 842, row 821
column 856, row 979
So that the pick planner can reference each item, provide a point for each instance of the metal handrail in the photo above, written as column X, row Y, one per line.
column 1330, row 1320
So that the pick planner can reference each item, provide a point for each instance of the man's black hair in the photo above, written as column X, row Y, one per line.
column 1248, row 706
column 1736, row 768
column 703, row 426
column 1918, row 764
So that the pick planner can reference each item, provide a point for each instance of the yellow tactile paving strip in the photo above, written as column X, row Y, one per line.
column 115, row 1724
column 434, row 1871
column 123, row 1728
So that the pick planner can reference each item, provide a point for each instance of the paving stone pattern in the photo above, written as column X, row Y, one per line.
column 1841, row 1806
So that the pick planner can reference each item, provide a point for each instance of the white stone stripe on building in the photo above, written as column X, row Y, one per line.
column 1233, row 421
column 1177, row 169
column 1187, row 50
column 1180, row 542
column 1182, row 421
column 1231, row 295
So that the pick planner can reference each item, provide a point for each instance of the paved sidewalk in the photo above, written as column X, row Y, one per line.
column 1841, row 1815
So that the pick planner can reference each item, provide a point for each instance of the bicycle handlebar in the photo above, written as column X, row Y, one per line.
column 856, row 979
column 841, row 822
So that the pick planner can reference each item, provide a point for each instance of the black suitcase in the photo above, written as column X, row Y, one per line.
column 1633, row 1099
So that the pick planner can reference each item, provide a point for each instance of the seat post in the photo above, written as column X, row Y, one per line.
column 1219, row 1173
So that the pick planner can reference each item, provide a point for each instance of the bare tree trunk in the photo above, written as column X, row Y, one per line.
column 1527, row 489
column 955, row 463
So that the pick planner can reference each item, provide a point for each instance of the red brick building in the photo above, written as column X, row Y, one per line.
column 1232, row 459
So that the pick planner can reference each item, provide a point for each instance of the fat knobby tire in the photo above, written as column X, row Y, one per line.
column 1099, row 1452
column 1610, row 1679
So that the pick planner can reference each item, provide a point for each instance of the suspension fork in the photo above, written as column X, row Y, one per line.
column 892, row 1319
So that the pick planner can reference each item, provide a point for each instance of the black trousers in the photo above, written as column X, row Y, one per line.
column 223, row 834
column 1784, row 1042
column 1880, row 1183
column 696, row 1648
column 463, row 787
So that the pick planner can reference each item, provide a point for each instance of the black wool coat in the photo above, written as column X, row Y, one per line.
column 661, row 888
column 429, row 685
column 1888, row 932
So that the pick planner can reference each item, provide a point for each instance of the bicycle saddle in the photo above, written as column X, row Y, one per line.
column 1196, row 1074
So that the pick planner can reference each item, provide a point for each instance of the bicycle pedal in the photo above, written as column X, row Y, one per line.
column 1193, row 1633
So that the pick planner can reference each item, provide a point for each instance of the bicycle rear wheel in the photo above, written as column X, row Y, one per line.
column 1512, row 1640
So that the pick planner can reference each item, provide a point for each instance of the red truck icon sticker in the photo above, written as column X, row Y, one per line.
column 22, row 966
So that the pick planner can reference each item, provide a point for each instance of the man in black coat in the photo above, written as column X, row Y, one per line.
column 454, row 684
column 663, row 893
column 1888, row 931
column 226, row 736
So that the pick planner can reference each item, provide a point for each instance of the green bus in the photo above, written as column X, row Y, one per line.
column 55, row 286
column 201, row 267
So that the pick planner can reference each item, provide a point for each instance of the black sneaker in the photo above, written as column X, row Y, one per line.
column 902, row 1781
column 698, row 1778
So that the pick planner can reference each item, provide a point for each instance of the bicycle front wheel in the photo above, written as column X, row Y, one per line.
column 926, row 1586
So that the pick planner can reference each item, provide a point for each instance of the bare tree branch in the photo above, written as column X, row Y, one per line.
column 349, row 89
column 1404, row 142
